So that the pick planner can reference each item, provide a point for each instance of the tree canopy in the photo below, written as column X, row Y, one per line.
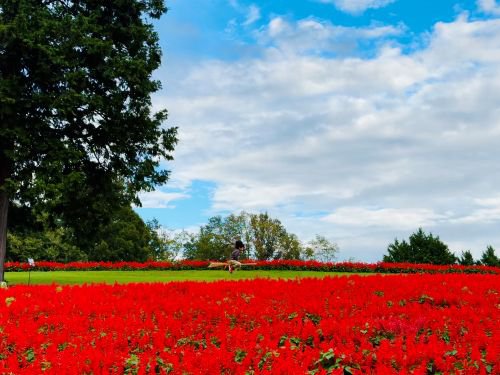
column 322, row 249
column 124, row 238
column 489, row 258
column 78, row 138
column 421, row 248
column 466, row 259
column 265, row 238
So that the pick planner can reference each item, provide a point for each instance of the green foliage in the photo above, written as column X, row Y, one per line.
column 167, row 244
column 421, row 248
column 81, row 73
column 235, row 227
column 267, row 234
column 265, row 238
column 31, row 235
column 466, row 259
column 320, row 248
column 489, row 258
column 78, row 138
column 50, row 245
column 75, row 94
column 290, row 247
column 214, row 240
column 124, row 238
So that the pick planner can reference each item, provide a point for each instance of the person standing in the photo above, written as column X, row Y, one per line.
column 234, row 261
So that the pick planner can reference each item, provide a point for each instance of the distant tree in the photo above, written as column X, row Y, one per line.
column 421, row 248
column 289, row 247
column 267, row 235
column 237, row 227
column 212, row 242
column 177, row 244
column 466, row 259
column 489, row 258
column 216, row 239
column 31, row 235
column 78, row 137
column 51, row 244
column 125, row 238
column 320, row 248
column 265, row 238
column 168, row 244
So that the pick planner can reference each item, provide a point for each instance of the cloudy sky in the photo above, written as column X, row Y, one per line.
column 360, row 120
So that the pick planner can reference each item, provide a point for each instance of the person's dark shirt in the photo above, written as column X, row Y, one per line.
column 235, row 255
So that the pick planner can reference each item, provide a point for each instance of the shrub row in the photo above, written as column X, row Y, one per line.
column 259, row 265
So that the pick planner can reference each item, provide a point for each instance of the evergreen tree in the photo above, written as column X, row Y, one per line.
column 421, row 248
column 78, row 138
column 466, row 259
column 489, row 258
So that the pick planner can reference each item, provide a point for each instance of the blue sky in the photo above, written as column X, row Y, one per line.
column 360, row 120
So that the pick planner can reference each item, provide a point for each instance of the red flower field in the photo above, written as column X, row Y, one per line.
column 394, row 324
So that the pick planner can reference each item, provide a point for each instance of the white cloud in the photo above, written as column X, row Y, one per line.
column 253, row 15
column 488, row 211
column 489, row 6
column 388, row 218
column 378, row 146
column 358, row 6
column 463, row 44
column 160, row 199
column 312, row 35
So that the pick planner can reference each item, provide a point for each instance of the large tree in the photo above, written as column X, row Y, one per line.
column 77, row 133
column 421, row 248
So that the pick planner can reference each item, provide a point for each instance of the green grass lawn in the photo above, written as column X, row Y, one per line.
column 111, row 277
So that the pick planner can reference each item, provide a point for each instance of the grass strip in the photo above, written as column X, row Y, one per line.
column 123, row 277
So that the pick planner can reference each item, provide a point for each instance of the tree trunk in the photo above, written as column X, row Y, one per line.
column 4, row 208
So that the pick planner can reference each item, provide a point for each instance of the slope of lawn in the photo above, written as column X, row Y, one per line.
column 122, row 277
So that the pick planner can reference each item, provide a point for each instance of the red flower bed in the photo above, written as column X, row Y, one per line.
column 262, row 265
column 397, row 324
